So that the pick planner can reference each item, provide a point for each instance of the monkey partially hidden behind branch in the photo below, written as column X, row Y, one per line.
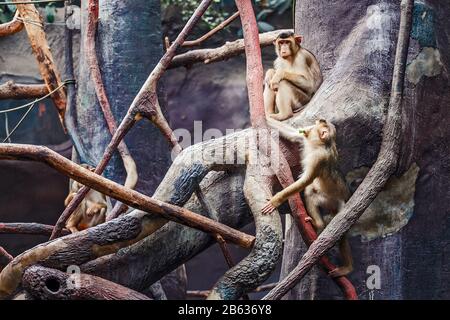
column 293, row 81
column 323, row 183
column 90, row 212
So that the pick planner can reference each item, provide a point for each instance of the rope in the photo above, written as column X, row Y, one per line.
column 30, row 105
column 30, row 2
column 19, row 123
column 7, row 127
column 37, row 100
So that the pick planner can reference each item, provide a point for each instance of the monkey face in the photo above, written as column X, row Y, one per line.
column 322, row 131
column 285, row 48
column 287, row 44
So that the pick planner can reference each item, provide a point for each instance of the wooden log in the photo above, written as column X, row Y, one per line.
column 51, row 284
column 47, row 68
column 12, row 90
column 11, row 27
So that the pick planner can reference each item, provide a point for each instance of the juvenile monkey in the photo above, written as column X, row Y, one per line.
column 293, row 81
column 323, row 184
column 90, row 212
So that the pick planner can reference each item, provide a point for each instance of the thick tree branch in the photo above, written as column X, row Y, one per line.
column 47, row 68
column 51, row 284
column 121, row 193
column 228, row 50
column 28, row 228
column 11, row 27
column 12, row 90
column 378, row 175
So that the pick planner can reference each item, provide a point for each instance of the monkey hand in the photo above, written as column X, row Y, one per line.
column 269, row 74
column 308, row 219
column 268, row 208
column 275, row 81
column 339, row 272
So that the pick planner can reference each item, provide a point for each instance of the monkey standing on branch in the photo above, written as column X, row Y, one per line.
column 323, row 184
column 90, row 212
column 293, row 81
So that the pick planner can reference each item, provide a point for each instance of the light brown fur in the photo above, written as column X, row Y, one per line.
column 293, row 81
column 90, row 212
column 323, row 184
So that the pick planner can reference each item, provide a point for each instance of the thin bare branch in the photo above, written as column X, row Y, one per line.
column 224, row 52
column 378, row 175
column 5, row 258
column 212, row 32
column 11, row 27
column 28, row 228
column 12, row 90
column 92, row 61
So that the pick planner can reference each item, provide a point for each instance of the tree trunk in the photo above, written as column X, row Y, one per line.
column 402, row 232
column 128, row 47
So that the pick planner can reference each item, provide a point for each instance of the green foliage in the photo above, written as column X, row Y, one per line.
column 221, row 9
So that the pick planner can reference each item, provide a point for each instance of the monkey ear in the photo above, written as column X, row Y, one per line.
column 298, row 39
column 324, row 134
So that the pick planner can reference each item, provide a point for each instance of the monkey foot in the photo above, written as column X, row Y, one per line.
column 340, row 271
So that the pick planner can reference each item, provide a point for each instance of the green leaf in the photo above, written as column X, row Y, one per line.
column 265, row 27
column 50, row 13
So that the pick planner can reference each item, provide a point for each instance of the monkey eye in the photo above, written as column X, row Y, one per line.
column 322, row 121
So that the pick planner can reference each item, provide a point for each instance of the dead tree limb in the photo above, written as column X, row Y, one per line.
column 12, row 90
column 5, row 258
column 11, row 27
column 28, row 228
column 47, row 68
column 91, row 57
column 144, row 105
column 50, row 284
column 209, row 34
column 378, row 175
column 228, row 50
column 121, row 193
column 260, row 263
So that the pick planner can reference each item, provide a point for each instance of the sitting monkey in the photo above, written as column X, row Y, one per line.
column 323, row 184
column 90, row 212
column 293, row 81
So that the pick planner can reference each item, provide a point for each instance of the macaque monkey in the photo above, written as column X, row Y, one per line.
column 323, row 184
column 293, row 81
column 90, row 212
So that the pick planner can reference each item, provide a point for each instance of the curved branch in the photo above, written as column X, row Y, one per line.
column 5, row 258
column 378, row 175
column 28, row 228
column 121, row 193
column 41, row 50
column 228, row 50
column 50, row 284
column 212, row 32
column 91, row 57
column 12, row 90
column 11, row 27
